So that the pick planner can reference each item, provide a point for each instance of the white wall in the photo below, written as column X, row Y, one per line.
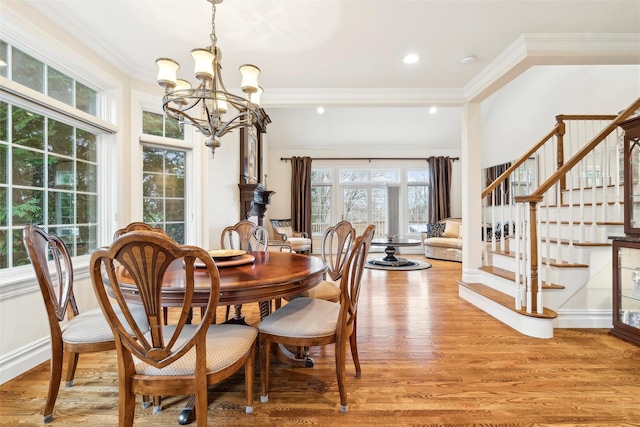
column 520, row 114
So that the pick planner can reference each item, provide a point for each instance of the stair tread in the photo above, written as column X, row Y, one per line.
column 587, row 222
column 505, row 300
column 590, row 204
column 566, row 242
column 551, row 262
column 510, row 275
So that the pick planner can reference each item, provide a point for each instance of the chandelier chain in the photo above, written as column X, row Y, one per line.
column 214, row 38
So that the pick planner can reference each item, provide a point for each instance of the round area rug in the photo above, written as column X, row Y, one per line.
column 412, row 265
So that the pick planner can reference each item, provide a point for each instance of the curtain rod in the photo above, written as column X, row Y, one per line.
column 366, row 158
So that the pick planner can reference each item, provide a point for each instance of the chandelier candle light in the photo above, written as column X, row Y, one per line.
column 205, row 106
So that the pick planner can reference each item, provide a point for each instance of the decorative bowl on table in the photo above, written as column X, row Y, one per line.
column 222, row 254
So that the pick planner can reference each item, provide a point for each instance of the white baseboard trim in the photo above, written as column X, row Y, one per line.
column 587, row 319
column 531, row 326
column 24, row 358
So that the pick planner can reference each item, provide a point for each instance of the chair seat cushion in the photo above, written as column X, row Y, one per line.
column 444, row 242
column 302, row 318
column 325, row 290
column 287, row 231
column 92, row 327
column 226, row 344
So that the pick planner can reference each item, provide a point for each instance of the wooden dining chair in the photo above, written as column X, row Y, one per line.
column 305, row 322
column 336, row 245
column 176, row 359
column 138, row 226
column 246, row 236
column 84, row 332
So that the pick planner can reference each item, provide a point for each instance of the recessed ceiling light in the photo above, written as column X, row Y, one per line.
column 411, row 58
column 469, row 59
column 320, row 110
column 433, row 109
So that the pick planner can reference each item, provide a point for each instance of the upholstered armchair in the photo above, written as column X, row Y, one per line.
column 282, row 231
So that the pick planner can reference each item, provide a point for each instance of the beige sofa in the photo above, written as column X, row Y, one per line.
column 443, row 240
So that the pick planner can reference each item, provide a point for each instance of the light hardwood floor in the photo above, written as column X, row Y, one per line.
column 428, row 358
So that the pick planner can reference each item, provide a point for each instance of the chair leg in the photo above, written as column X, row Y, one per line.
column 353, row 343
column 145, row 402
column 265, row 352
column 341, row 356
column 72, row 364
column 249, row 372
column 165, row 314
column 55, row 376
column 126, row 403
column 226, row 316
column 157, row 404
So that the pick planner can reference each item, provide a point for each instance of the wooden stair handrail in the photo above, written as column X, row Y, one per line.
column 518, row 162
column 558, row 128
column 566, row 167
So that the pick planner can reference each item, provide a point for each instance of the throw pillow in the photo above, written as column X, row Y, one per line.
column 287, row 231
column 435, row 229
column 451, row 229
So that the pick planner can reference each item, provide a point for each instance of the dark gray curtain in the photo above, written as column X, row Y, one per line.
column 495, row 198
column 439, row 187
column 301, row 194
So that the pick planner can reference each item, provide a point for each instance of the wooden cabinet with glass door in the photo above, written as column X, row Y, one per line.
column 626, row 289
column 626, row 249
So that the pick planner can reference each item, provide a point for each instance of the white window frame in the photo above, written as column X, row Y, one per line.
column 29, row 38
column 193, row 169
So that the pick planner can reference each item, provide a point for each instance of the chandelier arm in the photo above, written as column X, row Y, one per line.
column 181, row 115
column 238, row 121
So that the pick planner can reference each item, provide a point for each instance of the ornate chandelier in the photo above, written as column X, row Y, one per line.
column 206, row 106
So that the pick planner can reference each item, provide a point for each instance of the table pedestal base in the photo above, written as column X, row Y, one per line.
column 390, row 260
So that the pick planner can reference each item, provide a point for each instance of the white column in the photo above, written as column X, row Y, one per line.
column 471, row 192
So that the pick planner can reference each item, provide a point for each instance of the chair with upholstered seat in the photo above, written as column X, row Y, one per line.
column 298, row 240
column 176, row 359
column 307, row 322
column 84, row 332
column 246, row 236
column 336, row 244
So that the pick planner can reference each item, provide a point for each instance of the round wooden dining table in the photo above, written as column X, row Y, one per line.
column 271, row 275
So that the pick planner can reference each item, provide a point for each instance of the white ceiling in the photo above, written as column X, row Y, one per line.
column 326, row 51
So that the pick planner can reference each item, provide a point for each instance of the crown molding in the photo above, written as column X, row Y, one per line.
column 552, row 49
column 283, row 98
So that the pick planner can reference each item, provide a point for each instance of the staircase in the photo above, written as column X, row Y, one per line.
column 547, row 219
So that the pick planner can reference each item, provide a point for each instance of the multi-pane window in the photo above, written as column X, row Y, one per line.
column 28, row 71
column 417, row 200
column 321, row 192
column 48, row 162
column 161, row 125
column 365, row 198
column 395, row 200
column 163, row 178
column 48, row 177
